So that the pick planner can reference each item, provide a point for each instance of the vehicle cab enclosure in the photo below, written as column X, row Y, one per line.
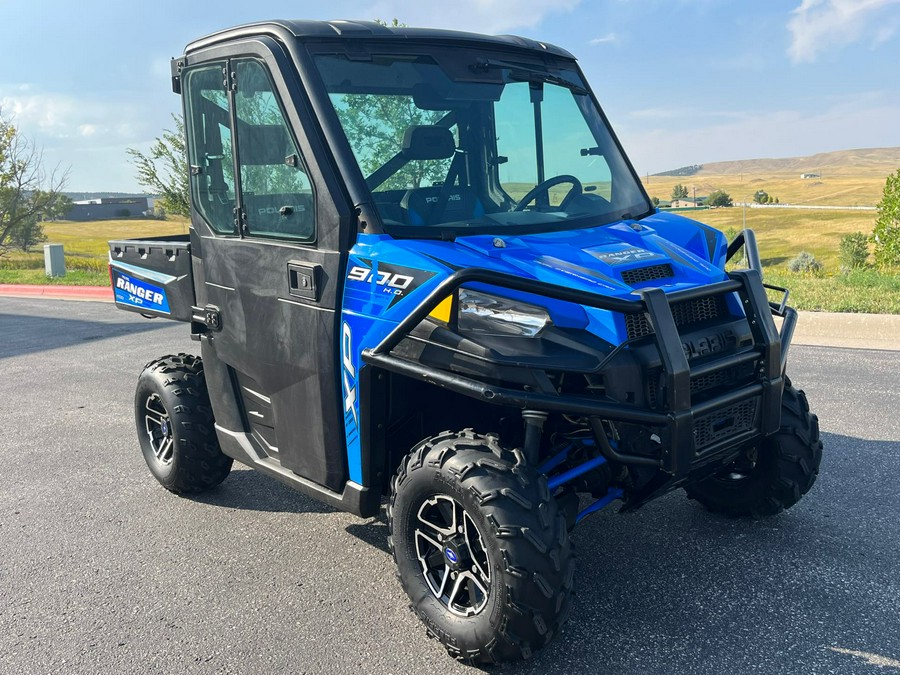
column 397, row 231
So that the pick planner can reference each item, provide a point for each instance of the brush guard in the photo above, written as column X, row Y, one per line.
column 689, row 439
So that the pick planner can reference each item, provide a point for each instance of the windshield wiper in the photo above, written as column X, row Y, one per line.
column 527, row 73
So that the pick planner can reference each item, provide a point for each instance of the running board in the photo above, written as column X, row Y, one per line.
column 355, row 498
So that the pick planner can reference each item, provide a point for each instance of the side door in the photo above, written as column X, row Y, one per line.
column 266, row 227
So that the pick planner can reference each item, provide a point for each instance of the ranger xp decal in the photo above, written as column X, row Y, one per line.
column 625, row 254
column 137, row 293
column 394, row 280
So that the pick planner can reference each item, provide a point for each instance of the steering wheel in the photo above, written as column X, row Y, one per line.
column 545, row 186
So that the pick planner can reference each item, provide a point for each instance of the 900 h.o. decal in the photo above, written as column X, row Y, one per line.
column 394, row 280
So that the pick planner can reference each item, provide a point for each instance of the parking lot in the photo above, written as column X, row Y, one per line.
column 103, row 571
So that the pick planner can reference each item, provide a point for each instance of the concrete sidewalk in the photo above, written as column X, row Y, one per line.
column 822, row 329
column 857, row 331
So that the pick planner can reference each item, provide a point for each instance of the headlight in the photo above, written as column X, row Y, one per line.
column 489, row 315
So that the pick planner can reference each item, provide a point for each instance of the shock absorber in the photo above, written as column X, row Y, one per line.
column 534, row 429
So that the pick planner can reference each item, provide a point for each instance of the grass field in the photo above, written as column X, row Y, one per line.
column 783, row 233
column 861, row 189
column 85, row 246
column 845, row 178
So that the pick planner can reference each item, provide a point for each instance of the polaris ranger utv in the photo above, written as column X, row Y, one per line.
column 421, row 267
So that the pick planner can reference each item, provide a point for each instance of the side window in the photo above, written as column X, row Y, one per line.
column 276, row 191
column 210, row 147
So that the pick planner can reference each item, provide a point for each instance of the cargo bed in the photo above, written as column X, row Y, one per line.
column 152, row 276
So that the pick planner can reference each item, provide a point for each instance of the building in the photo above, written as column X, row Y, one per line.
column 806, row 176
column 107, row 208
column 687, row 203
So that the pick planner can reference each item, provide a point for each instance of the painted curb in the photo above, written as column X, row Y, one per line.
column 51, row 292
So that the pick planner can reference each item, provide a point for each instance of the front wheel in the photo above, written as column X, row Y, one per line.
column 175, row 425
column 774, row 475
column 480, row 548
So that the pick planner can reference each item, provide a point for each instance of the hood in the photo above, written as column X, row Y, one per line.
column 613, row 259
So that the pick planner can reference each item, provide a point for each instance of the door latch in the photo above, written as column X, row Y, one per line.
column 205, row 320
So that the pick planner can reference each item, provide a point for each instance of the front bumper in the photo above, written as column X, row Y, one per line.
column 694, row 436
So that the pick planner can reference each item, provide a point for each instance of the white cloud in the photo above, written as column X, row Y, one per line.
column 660, row 144
column 86, row 133
column 483, row 16
column 58, row 116
column 609, row 37
column 817, row 25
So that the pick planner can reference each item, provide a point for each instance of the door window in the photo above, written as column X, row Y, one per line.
column 276, row 191
column 210, row 156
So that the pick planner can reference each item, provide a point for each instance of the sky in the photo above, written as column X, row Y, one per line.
column 682, row 81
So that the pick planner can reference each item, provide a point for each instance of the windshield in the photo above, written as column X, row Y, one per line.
column 456, row 143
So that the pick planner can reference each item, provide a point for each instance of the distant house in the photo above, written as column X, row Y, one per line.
column 107, row 208
column 687, row 202
column 805, row 176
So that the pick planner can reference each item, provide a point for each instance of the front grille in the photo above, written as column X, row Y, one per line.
column 642, row 274
column 725, row 423
column 686, row 314
column 735, row 376
column 637, row 325
column 696, row 311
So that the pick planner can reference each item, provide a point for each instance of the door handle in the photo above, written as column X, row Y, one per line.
column 303, row 280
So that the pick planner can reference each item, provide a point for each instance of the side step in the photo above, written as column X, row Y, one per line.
column 355, row 498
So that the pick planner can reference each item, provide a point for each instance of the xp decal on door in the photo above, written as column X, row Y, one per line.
column 421, row 269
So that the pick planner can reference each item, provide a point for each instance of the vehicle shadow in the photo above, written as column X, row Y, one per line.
column 250, row 490
column 374, row 532
column 29, row 334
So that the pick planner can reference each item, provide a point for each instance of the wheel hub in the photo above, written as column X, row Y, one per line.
column 452, row 555
column 457, row 554
column 159, row 430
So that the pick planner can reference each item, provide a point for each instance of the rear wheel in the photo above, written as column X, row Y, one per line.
column 480, row 548
column 774, row 475
column 175, row 425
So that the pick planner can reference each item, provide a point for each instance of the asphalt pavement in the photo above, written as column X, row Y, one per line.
column 103, row 571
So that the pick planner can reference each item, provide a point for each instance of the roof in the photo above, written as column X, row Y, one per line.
column 368, row 30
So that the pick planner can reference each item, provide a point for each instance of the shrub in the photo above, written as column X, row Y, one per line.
column 805, row 262
column 854, row 251
column 886, row 234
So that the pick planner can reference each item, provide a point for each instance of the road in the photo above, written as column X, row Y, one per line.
column 103, row 571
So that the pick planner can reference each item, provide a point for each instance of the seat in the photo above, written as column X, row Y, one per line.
column 440, row 203
column 422, row 206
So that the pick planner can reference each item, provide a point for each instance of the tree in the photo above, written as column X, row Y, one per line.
column 761, row 197
column 886, row 234
column 655, row 201
column 679, row 192
column 719, row 198
column 165, row 170
column 29, row 233
column 28, row 193
column 375, row 126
